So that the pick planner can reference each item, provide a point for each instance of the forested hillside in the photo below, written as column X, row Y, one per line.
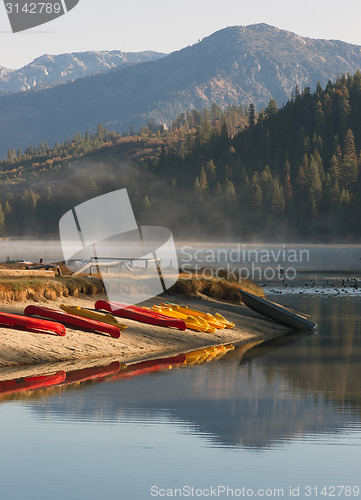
column 284, row 174
column 294, row 172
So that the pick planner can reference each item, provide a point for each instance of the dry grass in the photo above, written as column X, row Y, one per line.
column 39, row 289
column 223, row 288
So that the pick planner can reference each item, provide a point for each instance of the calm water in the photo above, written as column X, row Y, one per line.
column 286, row 414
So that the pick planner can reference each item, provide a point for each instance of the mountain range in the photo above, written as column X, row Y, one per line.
column 236, row 65
column 49, row 70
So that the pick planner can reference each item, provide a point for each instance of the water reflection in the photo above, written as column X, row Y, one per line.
column 33, row 379
column 257, row 396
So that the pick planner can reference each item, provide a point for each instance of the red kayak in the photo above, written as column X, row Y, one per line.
column 71, row 319
column 32, row 324
column 31, row 383
column 139, row 314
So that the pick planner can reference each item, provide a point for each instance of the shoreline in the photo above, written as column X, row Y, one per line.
column 139, row 342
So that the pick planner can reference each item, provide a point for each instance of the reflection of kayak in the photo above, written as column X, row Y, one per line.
column 196, row 324
column 140, row 314
column 207, row 354
column 93, row 373
column 198, row 356
column 276, row 312
column 33, row 324
column 152, row 366
column 70, row 319
column 95, row 315
column 222, row 350
column 31, row 383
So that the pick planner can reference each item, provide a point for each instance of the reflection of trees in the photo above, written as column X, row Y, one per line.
column 250, row 404
column 329, row 365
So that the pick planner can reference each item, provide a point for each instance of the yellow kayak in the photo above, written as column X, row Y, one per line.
column 222, row 319
column 211, row 320
column 197, row 324
column 95, row 315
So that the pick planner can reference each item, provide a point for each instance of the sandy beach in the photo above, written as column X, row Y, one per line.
column 21, row 349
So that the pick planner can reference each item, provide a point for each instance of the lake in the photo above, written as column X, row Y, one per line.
column 280, row 416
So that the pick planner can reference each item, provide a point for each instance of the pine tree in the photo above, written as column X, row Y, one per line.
column 287, row 187
column 335, row 193
column 251, row 115
column 267, row 185
column 301, row 179
column 343, row 108
column 349, row 163
column 203, row 183
column 345, row 198
column 287, row 167
column 315, row 181
column 219, row 191
column 230, row 192
column 319, row 119
column 257, row 197
column 197, row 189
column 318, row 160
column 211, row 171
column 146, row 203
column 335, row 169
column 272, row 108
column 2, row 219
column 278, row 201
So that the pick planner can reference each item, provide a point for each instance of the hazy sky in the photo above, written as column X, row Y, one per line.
column 168, row 25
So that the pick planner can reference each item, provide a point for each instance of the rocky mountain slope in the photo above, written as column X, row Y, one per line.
column 236, row 65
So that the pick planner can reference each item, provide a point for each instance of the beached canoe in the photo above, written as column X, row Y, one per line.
column 276, row 312
column 71, row 319
column 140, row 314
column 95, row 315
column 32, row 324
column 215, row 320
column 195, row 324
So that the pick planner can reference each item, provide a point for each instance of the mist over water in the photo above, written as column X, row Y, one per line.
column 30, row 249
column 302, row 257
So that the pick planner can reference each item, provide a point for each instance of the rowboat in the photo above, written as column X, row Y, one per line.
column 277, row 312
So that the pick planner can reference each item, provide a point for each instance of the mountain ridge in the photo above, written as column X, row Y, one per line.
column 233, row 66
column 49, row 70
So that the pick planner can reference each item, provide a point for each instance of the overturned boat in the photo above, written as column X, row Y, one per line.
column 279, row 313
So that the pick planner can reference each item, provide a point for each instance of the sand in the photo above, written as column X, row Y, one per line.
column 21, row 350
